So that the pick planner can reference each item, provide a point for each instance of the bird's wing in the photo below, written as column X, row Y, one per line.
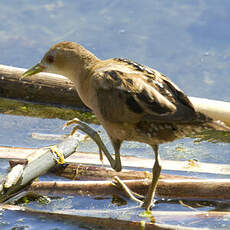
column 129, row 95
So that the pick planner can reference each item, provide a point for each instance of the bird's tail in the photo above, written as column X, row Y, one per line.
column 214, row 131
column 209, row 123
column 218, row 126
column 208, row 129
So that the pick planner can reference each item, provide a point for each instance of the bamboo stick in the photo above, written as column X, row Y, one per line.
column 38, row 162
column 56, row 89
column 127, row 161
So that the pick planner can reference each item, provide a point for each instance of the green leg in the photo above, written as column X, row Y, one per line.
column 115, row 163
column 148, row 201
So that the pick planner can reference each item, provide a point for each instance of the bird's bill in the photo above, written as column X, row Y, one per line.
column 33, row 70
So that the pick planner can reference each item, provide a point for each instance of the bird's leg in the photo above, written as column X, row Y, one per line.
column 148, row 200
column 116, row 145
column 115, row 164
column 89, row 131
column 152, row 187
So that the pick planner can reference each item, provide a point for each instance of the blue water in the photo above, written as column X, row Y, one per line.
column 186, row 40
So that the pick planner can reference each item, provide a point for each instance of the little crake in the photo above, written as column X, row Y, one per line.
column 133, row 102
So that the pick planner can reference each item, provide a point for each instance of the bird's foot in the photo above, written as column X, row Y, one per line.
column 146, row 202
column 89, row 131
column 132, row 195
column 59, row 157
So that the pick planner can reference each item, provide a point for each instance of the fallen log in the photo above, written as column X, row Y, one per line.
column 127, row 161
column 53, row 89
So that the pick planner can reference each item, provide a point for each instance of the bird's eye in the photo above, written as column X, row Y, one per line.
column 50, row 59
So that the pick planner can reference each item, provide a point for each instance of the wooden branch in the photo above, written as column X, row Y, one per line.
column 81, row 172
column 45, row 88
column 56, row 89
column 114, row 223
column 38, row 162
column 167, row 188
column 169, row 185
column 127, row 161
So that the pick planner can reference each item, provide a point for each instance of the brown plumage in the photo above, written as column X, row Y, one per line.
column 133, row 102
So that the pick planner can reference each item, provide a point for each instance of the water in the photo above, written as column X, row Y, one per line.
column 188, row 41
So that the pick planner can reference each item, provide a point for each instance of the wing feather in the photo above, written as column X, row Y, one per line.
column 131, row 97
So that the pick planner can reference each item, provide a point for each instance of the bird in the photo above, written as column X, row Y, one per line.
column 133, row 102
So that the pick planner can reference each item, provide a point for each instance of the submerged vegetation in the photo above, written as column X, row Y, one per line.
column 21, row 108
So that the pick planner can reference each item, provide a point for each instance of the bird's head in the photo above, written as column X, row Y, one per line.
column 65, row 58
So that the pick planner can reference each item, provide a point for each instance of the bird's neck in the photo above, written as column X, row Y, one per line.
column 81, row 66
column 80, row 78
